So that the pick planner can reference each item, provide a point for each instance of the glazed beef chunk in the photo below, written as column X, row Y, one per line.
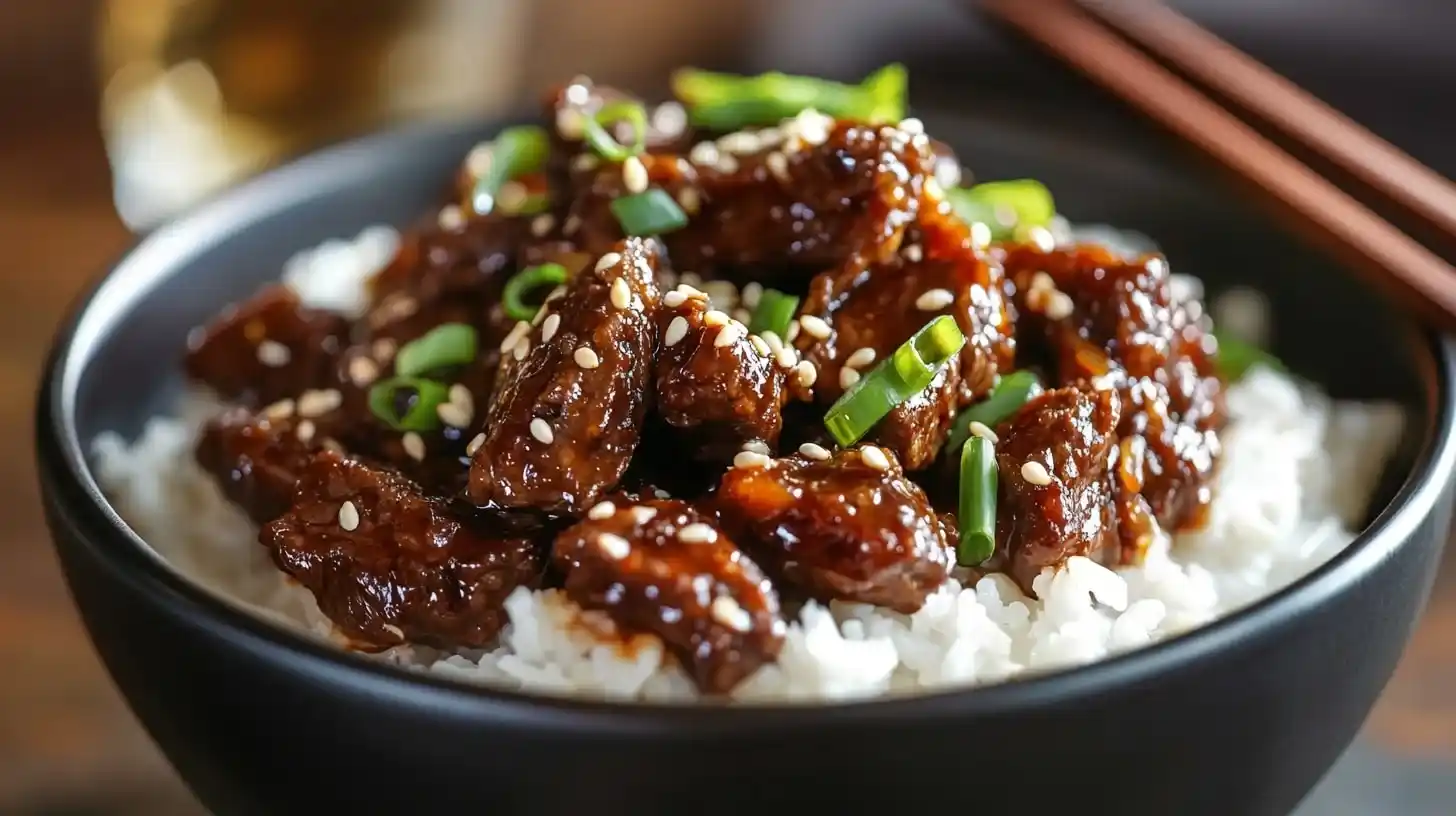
column 1056, row 492
column 268, row 348
column 716, row 386
column 663, row 567
column 568, row 412
column 257, row 458
column 389, row 564
column 848, row 527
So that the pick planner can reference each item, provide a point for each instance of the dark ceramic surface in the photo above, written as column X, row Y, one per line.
column 1240, row 718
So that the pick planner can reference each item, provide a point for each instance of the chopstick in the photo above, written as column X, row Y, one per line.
column 1313, row 205
column 1379, row 165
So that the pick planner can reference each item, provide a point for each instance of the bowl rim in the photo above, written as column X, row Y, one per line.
column 69, row 484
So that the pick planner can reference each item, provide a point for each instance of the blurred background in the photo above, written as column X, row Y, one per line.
column 116, row 114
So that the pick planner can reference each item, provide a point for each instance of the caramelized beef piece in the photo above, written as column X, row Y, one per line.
column 257, row 458
column 390, row 565
column 716, row 386
column 567, row 416
column 844, row 528
column 571, row 160
column 802, row 197
column 1068, row 436
column 660, row 566
column 268, row 348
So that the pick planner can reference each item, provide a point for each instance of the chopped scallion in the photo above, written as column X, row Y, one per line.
column 408, row 403
column 515, row 152
column 599, row 134
column 977, row 509
column 650, row 213
column 1009, row 395
column 899, row 377
column 513, row 297
column 1236, row 357
column 774, row 313
column 1003, row 206
column 730, row 102
column 449, row 344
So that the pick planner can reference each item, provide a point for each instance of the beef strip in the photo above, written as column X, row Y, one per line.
column 567, row 416
column 389, row 564
column 1070, row 436
column 662, row 567
column 716, row 387
column 844, row 528
column 269, row 347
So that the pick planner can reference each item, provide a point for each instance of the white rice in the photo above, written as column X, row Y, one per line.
column 1296, row 474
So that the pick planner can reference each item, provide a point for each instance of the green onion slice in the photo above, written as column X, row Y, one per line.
column 775, row 312
column 515, row 152
column 899, row 377
column 650, row 213
column 1004, row 206
column 529, row 279
column 729, row 102
column 1009, row 395
column 408, row 403
column 1236, row 357
column 977, row 510
column 600, row 137
column 448, row 344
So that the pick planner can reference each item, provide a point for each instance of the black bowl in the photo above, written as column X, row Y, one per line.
column 1241, row 717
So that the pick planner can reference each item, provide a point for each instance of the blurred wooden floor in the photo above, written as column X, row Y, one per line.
column 67, row 744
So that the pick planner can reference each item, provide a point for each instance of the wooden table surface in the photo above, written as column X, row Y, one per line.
column 67, row 743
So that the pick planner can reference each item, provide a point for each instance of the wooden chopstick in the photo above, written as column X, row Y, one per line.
column 1377, row 164
column 1310, row 203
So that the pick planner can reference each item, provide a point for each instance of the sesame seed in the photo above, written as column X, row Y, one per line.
column 614, row 546
column 634, row 175
column 1059, row 306
column 703, row 153
column 305, row 431
column 743, row 141
column 812, row 126
column 348, row 517
column 980, row 235
column 786, row 357
column 813, row 451
column 282, row 409
column 750, row 459
column 726, row 611
column 660, row 493
column 980, row 429
column 689, row 280
column 394, row 630
column 317, row 403
column 456, row 416
column 672, row 300
column 912, row 125
column 676, row 331
column 517, row 332
column 512, row 197
column 413, row 445
column 874, row 457
column 792, row 333
column 332, row 444
column 555, row 293
column 585, row 162
column 542, row 224
column 621, row 293
column 773, row 341
column 608, row 261
column 669, row 119
column 383, row 349
column 642, row 515
column 586, row 358
column 721, row 293
column 726, row 164
column 934, row 300
column 570, row 123
column 716, row 318
column 742, row 315
column 363, row 371
column 861, row 358
column 815, row 327
column 806, row 374
column 757, row 446
column 759, row 345
column 1036, row 473
column 1042, row 238
column 848, row 377
column 697, row 533
column 461, row 396
column 549, row 327
column 451, row 218
column 728, row 335
column 475, row 444
column 770, row 137
column 1041, row 280
column 478, row 160
column 690, row 200
column 751, row 294
column 521, row 349
column 542, row 431
column 602, row 510
column 778, row 165
column 933, row 190
column 913, row 253
column 273, row 354
column 571, row 225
